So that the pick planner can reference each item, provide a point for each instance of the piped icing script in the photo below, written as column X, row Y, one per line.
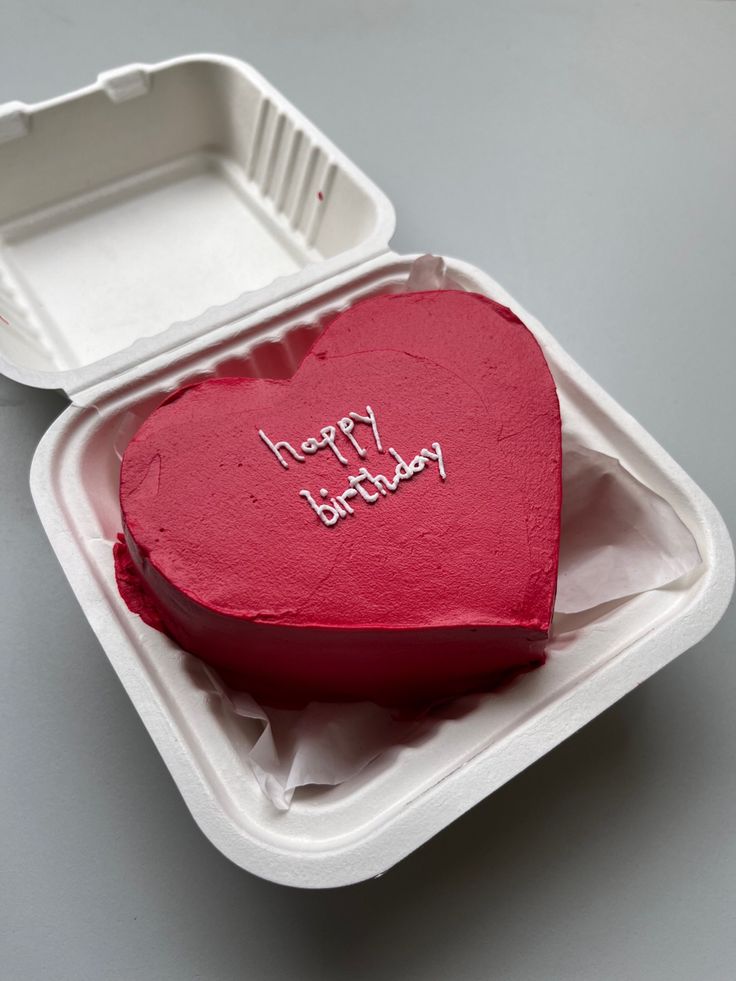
column 363, row 486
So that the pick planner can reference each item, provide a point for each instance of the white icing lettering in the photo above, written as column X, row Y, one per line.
column 277, row 447
column 311, row 445
column 402, row 467
column 437, row 455
column 330, row 514
column 350, row 492
column 341, row 511
column 338, row 507
column 357, row 483
column 325, row 512
column 328, row 434
column 346, row 426
column 369, row 476
column 371, row 420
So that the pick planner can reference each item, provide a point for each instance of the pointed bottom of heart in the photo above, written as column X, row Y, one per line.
column 288, row 667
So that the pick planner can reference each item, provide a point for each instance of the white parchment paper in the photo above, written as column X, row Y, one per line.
column 618, row 538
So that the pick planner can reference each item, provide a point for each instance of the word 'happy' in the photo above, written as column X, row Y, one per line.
column 358, row 484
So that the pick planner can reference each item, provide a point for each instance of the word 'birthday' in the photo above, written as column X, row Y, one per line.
column 338, row 507
column 365, row 485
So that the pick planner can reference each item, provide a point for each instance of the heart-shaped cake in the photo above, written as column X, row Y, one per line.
column 384, row 525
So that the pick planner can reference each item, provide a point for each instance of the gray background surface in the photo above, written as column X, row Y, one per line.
column 585, row 155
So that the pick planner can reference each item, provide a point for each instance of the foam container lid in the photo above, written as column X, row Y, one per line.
column 131, row 206
column 180, row 221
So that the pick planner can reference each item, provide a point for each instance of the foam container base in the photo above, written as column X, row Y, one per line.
column 176, row 221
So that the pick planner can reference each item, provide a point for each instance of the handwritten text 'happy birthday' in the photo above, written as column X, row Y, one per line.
column 358, row 484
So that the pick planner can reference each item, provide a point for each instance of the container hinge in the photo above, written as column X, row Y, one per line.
column 125, row 83
column 14, row 121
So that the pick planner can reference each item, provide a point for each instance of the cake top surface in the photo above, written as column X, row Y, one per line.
column 408, row 475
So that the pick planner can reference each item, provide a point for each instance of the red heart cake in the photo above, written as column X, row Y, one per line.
column 384, row 525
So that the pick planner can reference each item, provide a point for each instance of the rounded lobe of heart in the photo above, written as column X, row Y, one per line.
column 437, row 586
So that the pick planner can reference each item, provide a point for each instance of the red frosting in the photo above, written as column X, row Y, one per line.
column 442, row 585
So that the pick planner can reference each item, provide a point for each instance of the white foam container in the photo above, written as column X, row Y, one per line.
column 182, row 220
